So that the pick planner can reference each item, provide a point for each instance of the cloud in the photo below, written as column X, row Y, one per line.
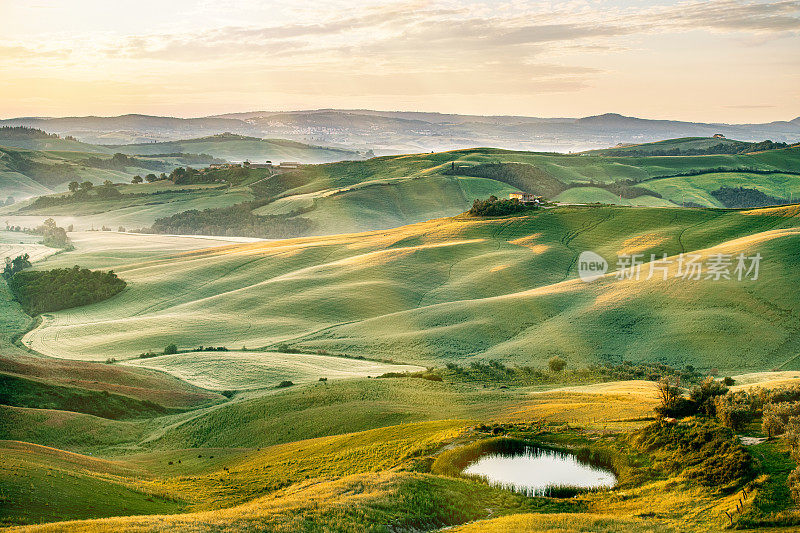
column 733, row 15
column 25, row 53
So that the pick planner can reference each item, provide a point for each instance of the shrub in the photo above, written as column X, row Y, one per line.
column 285, row 383
column 703, row 395
column 556, row 364
column 777, row 415
column 700, row 450
column 734, row 410
column 171, row 349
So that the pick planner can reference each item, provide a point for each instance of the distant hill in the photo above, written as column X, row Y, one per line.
column 235, row 147
column 35, row 139
column 395, row 132
column 390, row 191
column 690, row 146
column 26, row 173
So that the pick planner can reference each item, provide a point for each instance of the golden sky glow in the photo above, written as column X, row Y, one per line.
column 719, row 60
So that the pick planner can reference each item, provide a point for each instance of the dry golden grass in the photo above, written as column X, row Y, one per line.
column 614, row 405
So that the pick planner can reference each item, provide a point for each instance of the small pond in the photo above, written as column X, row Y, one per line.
column 539, row 471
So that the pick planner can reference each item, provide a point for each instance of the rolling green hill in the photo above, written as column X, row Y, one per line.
column 684, row 146
column 239, row 148
column 25, row 173
column 457, row 289
column 38, row 140
column 388, row 192
column 355, row 451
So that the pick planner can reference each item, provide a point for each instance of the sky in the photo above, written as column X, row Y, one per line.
column 701, row 60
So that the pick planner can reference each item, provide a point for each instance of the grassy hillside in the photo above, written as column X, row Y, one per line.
column 249, row 370
column 27, row 172
column 683, row 144
column 239, row 148
column 388, row 192
column 457, row 289
column 38, row 140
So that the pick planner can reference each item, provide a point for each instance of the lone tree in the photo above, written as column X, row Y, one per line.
column 556, row 364
column 171, row 349
column 137, row 179
column 74, row 186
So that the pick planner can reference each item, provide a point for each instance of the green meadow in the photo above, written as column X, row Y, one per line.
column 337, row 381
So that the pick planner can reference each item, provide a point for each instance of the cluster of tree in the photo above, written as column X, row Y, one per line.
column 18, row 264
column 121, row 161
column 149, row 178
column 236, row 220
column 494, row 207
column 63, row 288
column 80, row 192
column 23, row 132
column 779, row 411
column 53, row 236
column 740, row 197
column 628, row 370
column 702, row 398
column 717, row 149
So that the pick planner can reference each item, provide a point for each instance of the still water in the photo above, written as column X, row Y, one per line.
column 539, row 472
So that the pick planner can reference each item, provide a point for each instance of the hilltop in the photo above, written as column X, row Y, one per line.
column 234, row 147
column 690, row 146
column 38, row 140
column 393, row 132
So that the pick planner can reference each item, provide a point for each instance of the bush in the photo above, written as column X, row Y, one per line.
column 734, row 410
column 704, row 394
column 556, row 364
column 171, row 349
column 285, row 383
column 777, row 415
column 700, row 450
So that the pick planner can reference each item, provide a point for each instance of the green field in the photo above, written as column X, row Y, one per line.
column 252, row 370
column 454, row 289
column 388, row 192
column 239, row 148
column 209, row 440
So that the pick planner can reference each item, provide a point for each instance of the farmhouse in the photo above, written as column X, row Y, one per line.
column 525, row 197
column 719, row 136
